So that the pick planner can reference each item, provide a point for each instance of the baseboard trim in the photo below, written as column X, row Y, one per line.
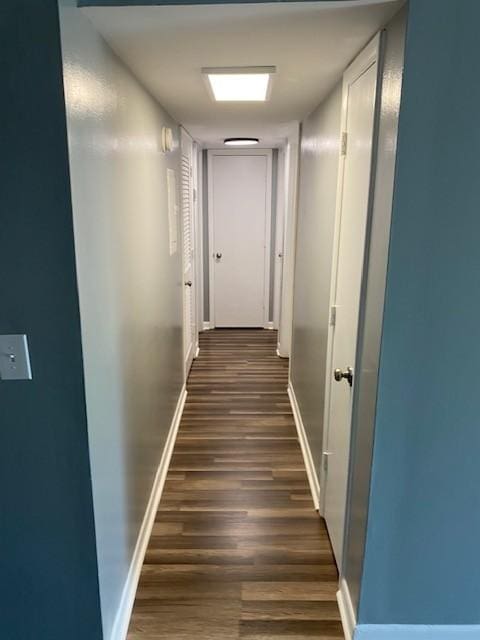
column 206, row 326
column 279, row 352
column 307, row 454
column 269, row 326
column 416, row 632
column 122, row 619
column 197, row 351
column 347, row 612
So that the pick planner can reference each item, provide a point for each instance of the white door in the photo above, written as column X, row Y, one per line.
column 359, row 91
column 240, row 217
column 189, row 315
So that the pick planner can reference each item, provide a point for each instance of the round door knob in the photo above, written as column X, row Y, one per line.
column 218, row 256
column 188, row 283
column 340, row 375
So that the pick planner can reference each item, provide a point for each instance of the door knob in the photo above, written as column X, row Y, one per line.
column 218, row 256
column 340, row 375
column 188, row 283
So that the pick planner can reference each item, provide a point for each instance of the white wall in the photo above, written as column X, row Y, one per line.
column 319, row 155
column 129, row 287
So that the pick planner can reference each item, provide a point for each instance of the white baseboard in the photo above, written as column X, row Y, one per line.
column 206, row 326
column 280, row 353
column 122, row 619
column 269, row 325
column 197, row 351
column 307, row 454
column 347, row 612
column 416, row 632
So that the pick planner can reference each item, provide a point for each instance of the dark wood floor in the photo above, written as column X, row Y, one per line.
column 237, row 550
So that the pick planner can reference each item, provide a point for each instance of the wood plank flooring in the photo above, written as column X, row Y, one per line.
column 237, row 550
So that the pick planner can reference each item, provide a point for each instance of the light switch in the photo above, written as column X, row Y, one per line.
column 14, row 358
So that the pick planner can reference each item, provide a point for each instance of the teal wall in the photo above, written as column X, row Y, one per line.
column 120, row 3
column 48, row 569
column 421, row 560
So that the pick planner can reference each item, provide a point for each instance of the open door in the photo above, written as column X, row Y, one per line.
column 353, row 198
column 188, row 231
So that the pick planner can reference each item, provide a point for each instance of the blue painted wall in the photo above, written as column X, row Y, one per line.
column 421, row 563
column 128, row 3
column 48, row 585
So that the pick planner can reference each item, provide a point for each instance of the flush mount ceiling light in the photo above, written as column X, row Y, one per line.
column 239, row 84
column 240, row 142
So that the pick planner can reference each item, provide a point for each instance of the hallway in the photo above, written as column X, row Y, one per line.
column 237, row 550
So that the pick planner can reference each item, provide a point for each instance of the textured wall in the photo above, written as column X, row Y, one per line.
column 48, row 569
column 130, row 288
column 319, row 154
column 371, row 316
column 421, row 560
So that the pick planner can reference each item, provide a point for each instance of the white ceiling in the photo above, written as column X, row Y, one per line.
column 310, row 44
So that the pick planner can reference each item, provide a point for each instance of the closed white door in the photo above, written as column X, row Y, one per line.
column 189, row 316
column 360, row 83
column 240, row 211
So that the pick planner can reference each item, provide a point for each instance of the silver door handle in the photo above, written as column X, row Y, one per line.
column 340, row 375
column 188, row 283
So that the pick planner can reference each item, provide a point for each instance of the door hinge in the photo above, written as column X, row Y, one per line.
column 194, row 195
column 325, row 456
column 333, row 315
column 343, row 144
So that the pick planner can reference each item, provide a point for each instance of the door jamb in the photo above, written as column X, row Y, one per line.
column 197, row 242
column 268, row 227
column 185, row 134
column 279, row 238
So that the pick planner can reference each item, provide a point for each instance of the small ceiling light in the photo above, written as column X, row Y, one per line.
column 239, row 84
column 240, row 142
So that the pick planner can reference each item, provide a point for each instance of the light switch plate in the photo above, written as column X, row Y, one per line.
column 14, row 358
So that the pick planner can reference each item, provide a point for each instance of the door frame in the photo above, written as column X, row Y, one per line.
column 370, row 55
column 291, row 158
column 197, row 243
column 211, row 153
column 184, row 134
column 278, row 254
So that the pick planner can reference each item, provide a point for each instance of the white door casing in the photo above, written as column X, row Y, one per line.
column 291, row 168
column 239, row 204
column 353, row 200
column 199, row 239
column 188, row 244
column 279, row 238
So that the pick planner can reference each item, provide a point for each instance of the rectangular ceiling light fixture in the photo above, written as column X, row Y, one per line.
column 239, row 84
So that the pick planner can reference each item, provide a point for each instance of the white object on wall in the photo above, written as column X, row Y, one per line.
column 167, row 139
column 14, row 358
